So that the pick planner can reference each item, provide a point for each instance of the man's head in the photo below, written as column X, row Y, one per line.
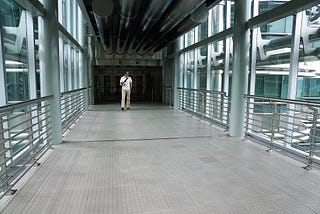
column 126, row 73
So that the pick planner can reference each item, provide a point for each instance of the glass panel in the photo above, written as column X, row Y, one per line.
column 72, row 70
column 190, row 69
column 218, row 20
column 77, row 70
column 64, row 13
column 202, row 67
column 267, row 5
column 309, row 66
column 36, row 48
column 217, row 65
column 189, row 38
column 203, row 30
column 65, row 67
column 14, row 28
column 273, row 58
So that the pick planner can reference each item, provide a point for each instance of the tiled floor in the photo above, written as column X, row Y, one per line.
column 153, row 159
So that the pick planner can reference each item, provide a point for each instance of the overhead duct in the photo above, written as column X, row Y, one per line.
column 104, row 27
column 177, row 13
column 153, row 13
column 199, row 16
column 103, row 13
column 128, row 13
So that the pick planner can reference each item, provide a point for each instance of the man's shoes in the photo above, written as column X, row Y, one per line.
column 128, row 108
column 122, row 109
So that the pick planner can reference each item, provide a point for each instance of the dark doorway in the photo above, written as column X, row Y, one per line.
column 147, row 83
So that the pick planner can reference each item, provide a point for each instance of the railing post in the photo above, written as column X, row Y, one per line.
column 247, row 100
column 183, row 98
column 3, row 158
column 273, row 126
column 30, row 131
column 313, row 138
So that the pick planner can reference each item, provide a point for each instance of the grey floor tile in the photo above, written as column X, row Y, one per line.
column 154, row 160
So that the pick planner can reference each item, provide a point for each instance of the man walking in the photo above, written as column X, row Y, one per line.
column 126, row 84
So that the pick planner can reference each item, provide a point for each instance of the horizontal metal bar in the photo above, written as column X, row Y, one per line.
column 287, row 101
column 11, row 107
column 290, row 8
column 34, row 6
column 217, row 37
column 67, row 36
column 72, row 91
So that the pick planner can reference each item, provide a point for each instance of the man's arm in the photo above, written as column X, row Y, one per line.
column 121, row 82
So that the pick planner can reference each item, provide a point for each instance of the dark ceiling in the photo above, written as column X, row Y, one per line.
column 137, row 26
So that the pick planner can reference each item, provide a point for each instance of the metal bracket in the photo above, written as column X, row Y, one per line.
column 306, row 31
column 260, row 45
column 12, row 191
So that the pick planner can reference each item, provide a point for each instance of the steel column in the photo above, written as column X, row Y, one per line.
column 196, row 54
column 241, row 43
column 293, row 74
column 227, row 42
column 3, row 88
column 253, row 62
column 176, row 79
column 49, row 65
column 31, row 57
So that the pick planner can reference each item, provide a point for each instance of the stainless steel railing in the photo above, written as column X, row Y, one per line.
column 73, row 105
column 168, row 96
column 210, row 105
column 289, row 124
column 25, row 135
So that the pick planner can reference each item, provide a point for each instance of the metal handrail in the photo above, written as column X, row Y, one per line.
column 9, row 107
column 72, row 91
column 282, row 100
column 203, row 90
column 292, row 125
column 288, row 124
column 25, row 134
column 73, row 105
column 206, row 104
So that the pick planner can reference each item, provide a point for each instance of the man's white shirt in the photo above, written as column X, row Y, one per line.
column 126, row 84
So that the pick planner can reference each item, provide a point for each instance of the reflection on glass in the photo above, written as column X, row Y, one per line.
column 267, row 5
column 218, row 19
column 36, row 42
column 14, row 29
column 72, row 70
column 65, row 67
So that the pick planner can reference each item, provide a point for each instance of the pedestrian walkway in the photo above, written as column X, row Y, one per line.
column 155, row 160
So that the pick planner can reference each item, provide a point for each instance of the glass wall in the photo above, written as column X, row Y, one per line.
column 209, row 66
column 205, row 65
column 20, row 40
column 69, row 18
column 14, row 33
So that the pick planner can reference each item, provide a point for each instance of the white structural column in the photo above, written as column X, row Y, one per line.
column 3, row 88
column 49, row 65
column 83, row 66
column 196, row 57
column 70, row 80
column 252, row 87
column 31, row 57
column 91, row 62
column 293, row 75
column 209, row 51
column 177, row 71
column 61, row 67
column 240, row 67
column 227, row 42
